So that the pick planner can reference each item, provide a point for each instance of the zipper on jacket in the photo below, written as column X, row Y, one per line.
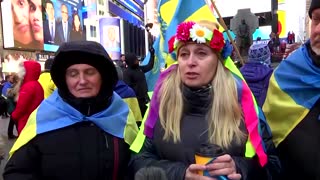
column 106, row 137
column 89, row 109
column 115, row 158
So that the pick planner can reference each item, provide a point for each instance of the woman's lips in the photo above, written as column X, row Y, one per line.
column 23, row 28
column 192, row 75
column 36, row 27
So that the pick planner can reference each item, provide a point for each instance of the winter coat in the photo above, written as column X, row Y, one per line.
column 257, row 76
column 71, row 145
column 5, row 88
column 175, row 158
column 80, row 152
column 135, row 78
column 30, row 94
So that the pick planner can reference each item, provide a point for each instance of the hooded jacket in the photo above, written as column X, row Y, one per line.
column 70, row 138
column 135, row 78
column 257, row 76
column 30, row 93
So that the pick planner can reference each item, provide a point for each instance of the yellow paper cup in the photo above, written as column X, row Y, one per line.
column 203, row 161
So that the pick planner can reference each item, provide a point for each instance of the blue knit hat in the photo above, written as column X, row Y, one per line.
column 259, row 53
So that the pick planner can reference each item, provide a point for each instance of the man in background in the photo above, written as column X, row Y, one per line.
column 49, row 25
column 64, row 26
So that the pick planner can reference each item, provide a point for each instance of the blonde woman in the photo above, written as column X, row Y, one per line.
column 203, row 100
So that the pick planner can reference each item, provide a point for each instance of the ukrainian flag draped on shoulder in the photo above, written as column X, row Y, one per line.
column 293, row 90
column 53, row 113
column 246, row 99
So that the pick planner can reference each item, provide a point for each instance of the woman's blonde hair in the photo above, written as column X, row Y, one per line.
column 224, row 116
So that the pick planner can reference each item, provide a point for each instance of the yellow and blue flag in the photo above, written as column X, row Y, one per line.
column 188, row 10
column 53, row 113
column 129, row 96
column 172, row 13
column 293, row 90
column 165, row 9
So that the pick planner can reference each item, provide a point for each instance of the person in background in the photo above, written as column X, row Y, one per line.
column 257, row 71
column 283, row 46
column 36, row 22
column 150, row 173
column 123, row 65
column 6, row 83
column 76, row 31
column 21, row 26
column 45, row 79
column 29, row 92
column 11, row 101
column 84, row 129
column 292, row 106
column 128, row 95
column 201, row 101
column 135, row 78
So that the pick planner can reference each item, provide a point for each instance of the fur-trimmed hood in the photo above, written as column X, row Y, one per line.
column 29, row 71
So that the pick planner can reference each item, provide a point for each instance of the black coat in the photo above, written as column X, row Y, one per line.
column 174, row 158
column 78, row 152
column 135, row 78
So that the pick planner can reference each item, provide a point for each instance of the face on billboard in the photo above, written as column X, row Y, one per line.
column 76, row 22
column 112, row 33
column 20, row 18
column 36, row 20
column 64, row 13
column 50, row 10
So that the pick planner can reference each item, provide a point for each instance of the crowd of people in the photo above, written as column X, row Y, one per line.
column 82, row 118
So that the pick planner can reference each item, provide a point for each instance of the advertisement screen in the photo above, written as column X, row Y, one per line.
column 110, row 36
column 41, row 24
column 62, row 22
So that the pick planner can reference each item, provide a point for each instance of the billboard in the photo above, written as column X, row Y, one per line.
column 41, row 24
column 110, row 36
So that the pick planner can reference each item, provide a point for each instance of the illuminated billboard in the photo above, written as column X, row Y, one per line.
column 110, row 36
column 41, row 24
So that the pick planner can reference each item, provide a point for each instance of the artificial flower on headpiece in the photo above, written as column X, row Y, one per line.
column 193, row 32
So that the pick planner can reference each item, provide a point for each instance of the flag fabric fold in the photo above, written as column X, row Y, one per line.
column 53, row 113
column 293, row 90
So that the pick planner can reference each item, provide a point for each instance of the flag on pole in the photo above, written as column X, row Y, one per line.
column 165, row 15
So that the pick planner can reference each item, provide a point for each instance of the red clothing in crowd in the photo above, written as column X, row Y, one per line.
column 30, row 94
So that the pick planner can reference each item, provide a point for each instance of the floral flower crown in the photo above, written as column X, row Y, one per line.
column 191, row 31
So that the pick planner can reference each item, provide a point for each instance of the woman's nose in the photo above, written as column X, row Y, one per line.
column 82, row 79
column 191, row 60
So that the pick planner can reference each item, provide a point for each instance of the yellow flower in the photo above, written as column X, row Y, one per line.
column 200, row 34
